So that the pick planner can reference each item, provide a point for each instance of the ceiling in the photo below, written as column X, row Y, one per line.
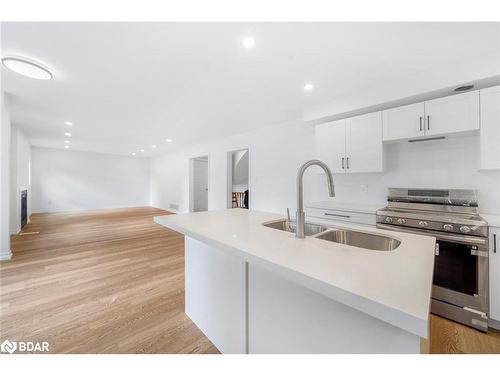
column 127, row 86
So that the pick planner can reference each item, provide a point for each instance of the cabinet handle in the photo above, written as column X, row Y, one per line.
column 337, row 215
column 342, row 163
column 420, row 123
column 347, row 162
column 428, row 122
column 495, row 243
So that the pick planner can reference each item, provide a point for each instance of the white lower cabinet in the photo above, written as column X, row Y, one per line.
column 353, row 145
column 494, row 273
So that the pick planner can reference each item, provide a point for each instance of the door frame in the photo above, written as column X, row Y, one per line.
column 229, row 180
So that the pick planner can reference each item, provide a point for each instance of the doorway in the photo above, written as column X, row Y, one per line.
column 238, row 179
column 198, row 184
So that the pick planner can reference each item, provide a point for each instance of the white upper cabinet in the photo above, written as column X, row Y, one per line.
column 353, row 145
column 330, row 143
column 490, row 128
column 364, row 147
column 452, row 114
column 403, row 122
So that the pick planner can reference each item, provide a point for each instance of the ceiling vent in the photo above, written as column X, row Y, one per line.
column 464, row 88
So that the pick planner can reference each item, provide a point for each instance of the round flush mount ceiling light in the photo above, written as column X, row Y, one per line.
column 248, row 42
column 153, row 146
column 67, row 134
column 133, row 153
column 66, row 141
column 308, row 87
column 168, row 140
column 69, row 123
column 66, row 146
column 27, row 67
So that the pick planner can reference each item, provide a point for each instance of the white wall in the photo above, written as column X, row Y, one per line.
column 20, row 159
column 64, row 180
column 5, row 128
column 276, row 154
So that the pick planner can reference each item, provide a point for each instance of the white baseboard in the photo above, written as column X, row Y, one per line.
column 5, row 256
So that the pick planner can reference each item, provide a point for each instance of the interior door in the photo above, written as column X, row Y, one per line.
column 364, row 148
column 403, row 122
column 331, row 143
column 452, row 114
column 200, row 184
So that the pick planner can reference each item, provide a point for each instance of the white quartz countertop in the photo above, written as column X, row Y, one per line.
column 492, row 219
column 365, row 208
column 394, row 286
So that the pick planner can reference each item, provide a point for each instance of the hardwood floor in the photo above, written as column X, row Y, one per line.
column 109, row 281
column 112, row 281
column 448, row 337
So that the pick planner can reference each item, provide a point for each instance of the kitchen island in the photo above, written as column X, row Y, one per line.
column 255, row 289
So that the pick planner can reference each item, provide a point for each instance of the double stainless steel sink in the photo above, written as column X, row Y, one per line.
column 354, row 238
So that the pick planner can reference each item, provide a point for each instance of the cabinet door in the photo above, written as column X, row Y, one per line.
column 330, row 142
column 494, row 271
column 403, row 122
column 364, row 148
column 490, row 128
column 452, row 114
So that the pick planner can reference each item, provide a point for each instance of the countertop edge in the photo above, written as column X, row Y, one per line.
column 397, row 318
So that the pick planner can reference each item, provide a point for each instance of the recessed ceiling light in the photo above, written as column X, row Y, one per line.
column 27, row 67
column 69, row 123
column 142, row 150
column 67, row 134
column 248, row 42
column 153, row 146
column 66, row 141
column 168, row 140
column 133, row 153
column 66, row 146
column 308, row 86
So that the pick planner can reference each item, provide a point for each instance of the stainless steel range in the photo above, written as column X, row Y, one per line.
column 460, row 286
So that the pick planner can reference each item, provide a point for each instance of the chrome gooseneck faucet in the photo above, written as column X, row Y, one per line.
column 300, row 231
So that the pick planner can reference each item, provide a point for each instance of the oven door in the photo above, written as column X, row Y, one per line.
column 461, row 271
column 460, row 268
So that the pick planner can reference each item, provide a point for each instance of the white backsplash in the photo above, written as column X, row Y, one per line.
column 448, row 163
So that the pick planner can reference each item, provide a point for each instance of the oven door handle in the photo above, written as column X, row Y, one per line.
column 468, row 240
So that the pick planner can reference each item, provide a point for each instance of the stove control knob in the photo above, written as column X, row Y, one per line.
column 465, row 229
column 423, row 224
column 401, row 221
column 448, row 227
column 388, row 220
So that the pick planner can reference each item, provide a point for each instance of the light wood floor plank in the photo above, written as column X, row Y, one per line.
column 107, row 281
